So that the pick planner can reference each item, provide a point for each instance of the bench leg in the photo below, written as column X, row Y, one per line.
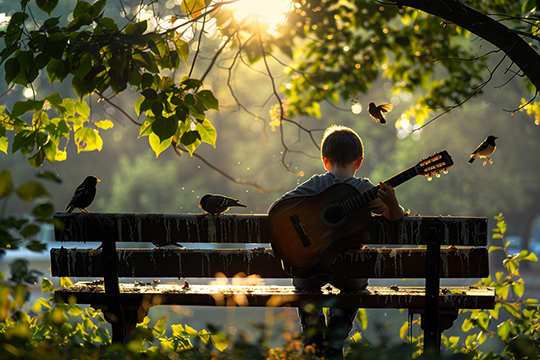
column 121, row 330
column 432, row 338
column 446, row 319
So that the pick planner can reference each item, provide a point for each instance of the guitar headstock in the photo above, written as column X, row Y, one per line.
column 434, row 164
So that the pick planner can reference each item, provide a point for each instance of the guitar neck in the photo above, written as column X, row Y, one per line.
column 362, row 199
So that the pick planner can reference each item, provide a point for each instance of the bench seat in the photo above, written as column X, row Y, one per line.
column 376, row 297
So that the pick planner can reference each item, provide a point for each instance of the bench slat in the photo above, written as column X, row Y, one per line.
column 194, row 228
column 255, row 295
column 162, row 262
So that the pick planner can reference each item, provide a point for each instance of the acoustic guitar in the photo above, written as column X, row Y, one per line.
column 308, row 232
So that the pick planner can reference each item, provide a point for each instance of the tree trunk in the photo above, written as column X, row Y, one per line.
column 506, row 39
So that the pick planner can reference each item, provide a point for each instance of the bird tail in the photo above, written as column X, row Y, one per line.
column 242, row 205
column 383, row 121
column 70, row 209
column 471, row 160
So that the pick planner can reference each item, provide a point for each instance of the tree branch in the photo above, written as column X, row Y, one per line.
column 180, row 150
column 506, row 39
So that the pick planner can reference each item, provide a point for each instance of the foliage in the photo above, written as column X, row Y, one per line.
column 25, row 231
column 515, row 320
column 97, row 56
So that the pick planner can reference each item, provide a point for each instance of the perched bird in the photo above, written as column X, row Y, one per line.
column 160, row 243
column 486, row 148
column 376, row 111
column 217, row 204
column 84, row 194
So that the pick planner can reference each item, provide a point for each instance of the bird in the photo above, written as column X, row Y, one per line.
column 486, row 148
column 376, row 111
column 84, row 194
column 216, row 204
column 160, row 243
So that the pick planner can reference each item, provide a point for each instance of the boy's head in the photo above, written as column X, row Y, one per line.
column 341, row 145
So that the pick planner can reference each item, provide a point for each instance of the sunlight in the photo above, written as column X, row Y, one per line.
column 272, row 13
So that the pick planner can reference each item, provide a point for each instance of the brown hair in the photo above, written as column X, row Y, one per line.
column 341, row 145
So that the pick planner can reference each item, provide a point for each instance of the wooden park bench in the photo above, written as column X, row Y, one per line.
column 455, row 248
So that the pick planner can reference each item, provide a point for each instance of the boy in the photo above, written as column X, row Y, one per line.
column 342, row 153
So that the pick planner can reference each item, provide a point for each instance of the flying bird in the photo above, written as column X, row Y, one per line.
column 486, row 148
column 376, row 111
column 217, row 204
column 84, row 194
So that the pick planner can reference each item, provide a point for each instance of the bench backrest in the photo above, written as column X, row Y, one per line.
column 462, row 243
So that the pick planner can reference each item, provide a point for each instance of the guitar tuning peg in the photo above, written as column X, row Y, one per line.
column 438, row 175
column 445, row 172
column 429, row 178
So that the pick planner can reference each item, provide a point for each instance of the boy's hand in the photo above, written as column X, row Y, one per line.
column 387, row 195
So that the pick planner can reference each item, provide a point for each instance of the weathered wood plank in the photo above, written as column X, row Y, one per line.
column 196, row 228
column 257, row 295
column 366, row 262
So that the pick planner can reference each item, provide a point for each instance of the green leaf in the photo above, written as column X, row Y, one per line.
column 43, row 210
column 47, row 5
column 512, row 309
column 220, row 341
column 503, row 329
column 159, row 329
column 157, row 145
column 191, row 139
column 31, row 191
column 11, row 68
column 146, row 127
column 493, row 248
column 65, row 282
column 82, row 108
column 150, row 94
column 531, row 301
column 88, row 139
column 193, row 7
column 30, row 230
column 182, row 48
column 361, row 315
column 49, row 176
column 6, row 183
column 56, row 71
column 104, row 124
column 531, row 257
column 3, row 144
column 46, row 285
column 528, row 6
column 208, row 99
column 164, row 127
column 403, row 330
column 207, row 132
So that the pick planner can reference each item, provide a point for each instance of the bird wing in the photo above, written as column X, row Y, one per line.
column 386, row 107
column 79, row 192
column 480, row 147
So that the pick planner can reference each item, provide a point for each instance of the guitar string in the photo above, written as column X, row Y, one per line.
column 366, row 196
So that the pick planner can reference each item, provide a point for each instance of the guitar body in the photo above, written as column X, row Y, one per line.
column 308, row 232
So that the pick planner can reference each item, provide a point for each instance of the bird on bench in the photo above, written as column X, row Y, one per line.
column 84, row 194
column 217, row 204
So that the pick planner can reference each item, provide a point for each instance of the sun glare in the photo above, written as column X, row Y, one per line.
column 270, row 12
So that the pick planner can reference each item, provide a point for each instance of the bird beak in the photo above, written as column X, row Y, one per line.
column 98, row 180
column 200, row 205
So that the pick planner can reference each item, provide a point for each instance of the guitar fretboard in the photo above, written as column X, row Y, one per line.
column 362, row 199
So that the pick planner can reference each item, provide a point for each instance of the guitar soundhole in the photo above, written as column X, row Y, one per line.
column 333, row 215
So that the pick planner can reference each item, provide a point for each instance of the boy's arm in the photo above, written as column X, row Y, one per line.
column 393, row 210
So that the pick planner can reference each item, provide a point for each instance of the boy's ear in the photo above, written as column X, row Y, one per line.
column 326, row 163
column 358, row 162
